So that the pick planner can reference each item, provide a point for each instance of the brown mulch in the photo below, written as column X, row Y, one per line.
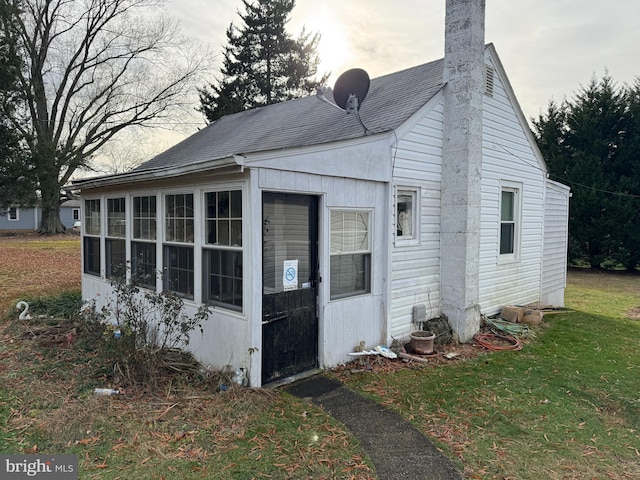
column 34, row 265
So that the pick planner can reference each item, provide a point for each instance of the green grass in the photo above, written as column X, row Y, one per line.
column 566, row 406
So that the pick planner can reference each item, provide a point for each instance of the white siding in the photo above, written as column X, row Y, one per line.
column 509, row 158
column 415, row 267
column 345, row 322
column 554, row 260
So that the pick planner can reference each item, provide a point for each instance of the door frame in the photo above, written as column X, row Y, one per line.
column 315, row 267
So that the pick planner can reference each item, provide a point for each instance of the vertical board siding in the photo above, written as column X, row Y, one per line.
column 415, row 268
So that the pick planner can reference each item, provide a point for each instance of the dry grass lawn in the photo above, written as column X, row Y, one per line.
column 34, row 265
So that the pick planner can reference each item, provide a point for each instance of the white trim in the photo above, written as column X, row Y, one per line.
column 17, row 214
column 369, row 251
column 414, row 238
column 516, row 188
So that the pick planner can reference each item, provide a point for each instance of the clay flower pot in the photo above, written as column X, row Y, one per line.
column 422, row 342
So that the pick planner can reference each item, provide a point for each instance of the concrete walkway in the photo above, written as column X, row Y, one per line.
column 398, row 450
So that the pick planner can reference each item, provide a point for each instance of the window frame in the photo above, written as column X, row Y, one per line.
column 414, row 237
column 367, row 254
column 115, row 237
column 13, row 214
column 145, row 274
column 91, row 237
column 174, row 247
column 516, row 190
column 209, row 248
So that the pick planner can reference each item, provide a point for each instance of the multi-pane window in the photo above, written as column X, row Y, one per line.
column 92, row 217
column 91, row 239
column 178, row 263
column 179, row 218
column 76, row 214
column 508, row 221
column 350, row 269
column 144, row 218
column 222, row 255
column 13, row 214
column 115, row 240
column 178, row 257
column 143, row 245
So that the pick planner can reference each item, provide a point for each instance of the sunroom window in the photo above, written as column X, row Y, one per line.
column 178, row 245
column 143, row 245
column 350, row 269
column 116, row 256
column 91, row 239
column 222, row 253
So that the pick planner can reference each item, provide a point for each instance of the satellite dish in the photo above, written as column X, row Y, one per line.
column 352, row 84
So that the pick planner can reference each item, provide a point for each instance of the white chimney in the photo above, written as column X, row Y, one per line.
column 462, row 165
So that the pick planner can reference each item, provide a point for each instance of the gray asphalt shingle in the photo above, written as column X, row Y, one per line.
column 306, row 121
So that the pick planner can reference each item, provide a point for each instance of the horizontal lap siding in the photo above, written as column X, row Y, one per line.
column 415, row 275
column 555, row 242
column 508, row 156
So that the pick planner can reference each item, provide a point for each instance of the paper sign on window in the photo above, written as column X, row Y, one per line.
column 290, row 275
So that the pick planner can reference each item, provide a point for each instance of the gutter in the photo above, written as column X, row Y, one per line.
column 167, row 172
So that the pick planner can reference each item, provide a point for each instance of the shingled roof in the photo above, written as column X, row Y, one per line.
column 306, row 121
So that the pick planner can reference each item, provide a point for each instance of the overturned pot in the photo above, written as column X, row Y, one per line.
column 422, row 342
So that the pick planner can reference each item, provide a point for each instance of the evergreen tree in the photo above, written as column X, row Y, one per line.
column 262, row 63
column 17, row 177
column 589, row 144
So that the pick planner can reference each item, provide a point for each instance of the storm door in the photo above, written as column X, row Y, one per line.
column 289, row 284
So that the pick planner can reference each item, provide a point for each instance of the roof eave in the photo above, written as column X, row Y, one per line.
column 147, row 175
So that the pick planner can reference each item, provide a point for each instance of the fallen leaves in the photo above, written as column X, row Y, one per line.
column 34, row 265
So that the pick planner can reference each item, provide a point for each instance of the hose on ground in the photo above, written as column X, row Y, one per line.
column 493, row 341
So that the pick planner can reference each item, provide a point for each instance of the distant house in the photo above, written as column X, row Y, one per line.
column 19, row 218
column 307, row 235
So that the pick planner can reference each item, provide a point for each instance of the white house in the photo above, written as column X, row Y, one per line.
column 307, row 235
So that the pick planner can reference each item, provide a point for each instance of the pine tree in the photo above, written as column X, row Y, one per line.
column 262, row 63
column 17, row 177
column 590, row 143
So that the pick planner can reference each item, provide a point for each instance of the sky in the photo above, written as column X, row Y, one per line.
column 549, row 48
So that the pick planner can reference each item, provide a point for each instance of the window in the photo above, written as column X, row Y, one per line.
column 92, row 217
column 350, row 268
column 406, row 215
column 91, row 240
column 13, row 214
column 144, row 218
column 508, row 205
column 179, row 218
column 76, row 214
column 116, row 257
column 143, row 247
column 178, row 263
column 222, row 255
column 178, row 259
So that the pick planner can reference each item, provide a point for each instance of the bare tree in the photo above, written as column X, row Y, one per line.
column 92, row 69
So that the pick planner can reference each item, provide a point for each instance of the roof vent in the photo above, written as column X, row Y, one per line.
column 488, row 80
